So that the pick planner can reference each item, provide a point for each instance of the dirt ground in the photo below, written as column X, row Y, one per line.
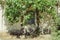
column 6, row 36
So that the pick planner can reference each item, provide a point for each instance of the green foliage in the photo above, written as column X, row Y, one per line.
column 12, row 10
column 56, row 33
column 16, row 8
column 57, row 37
column 57, row 20
column 28, row 17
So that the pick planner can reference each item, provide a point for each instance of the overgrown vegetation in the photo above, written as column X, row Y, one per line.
column 17, row 8
column 56, row 33
column 25, row 10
